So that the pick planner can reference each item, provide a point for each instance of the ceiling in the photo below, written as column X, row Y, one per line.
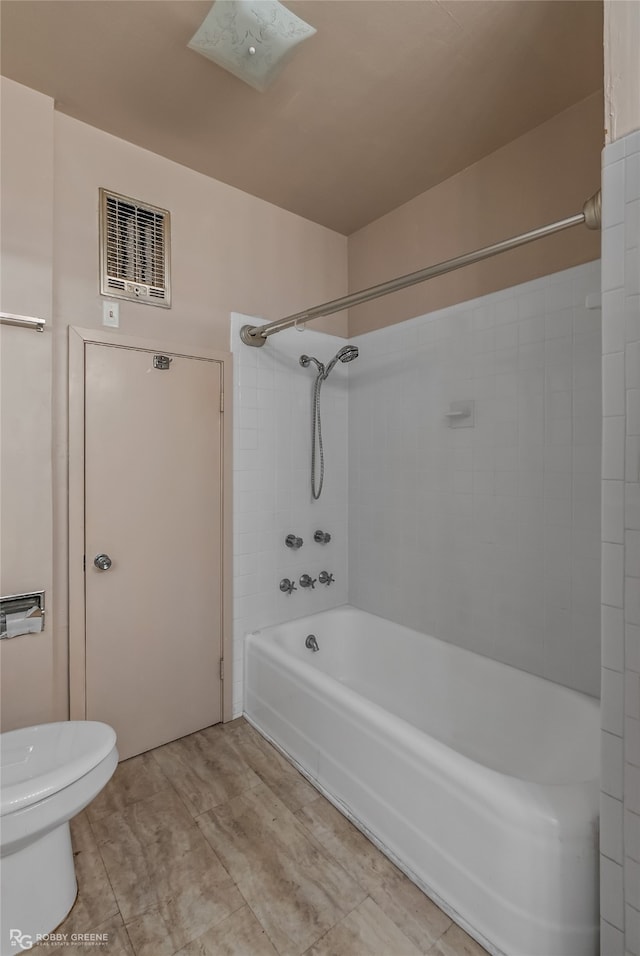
column 389, row 97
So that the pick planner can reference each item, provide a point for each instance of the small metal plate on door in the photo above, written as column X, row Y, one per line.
column 162, row 361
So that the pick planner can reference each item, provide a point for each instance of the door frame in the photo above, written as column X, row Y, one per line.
column 78, row 340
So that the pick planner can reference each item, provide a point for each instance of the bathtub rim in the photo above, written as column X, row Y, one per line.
column 450, row 645
column 507, row 790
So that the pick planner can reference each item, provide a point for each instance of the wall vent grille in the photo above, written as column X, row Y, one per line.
column 134, row 250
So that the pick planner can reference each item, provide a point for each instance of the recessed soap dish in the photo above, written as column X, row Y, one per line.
column 461, row 414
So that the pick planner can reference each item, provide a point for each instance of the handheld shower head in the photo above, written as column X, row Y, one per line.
column 346, row 354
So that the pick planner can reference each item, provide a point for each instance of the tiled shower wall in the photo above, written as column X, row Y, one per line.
column 272, row 491
column 620, row 800
column 486, row 536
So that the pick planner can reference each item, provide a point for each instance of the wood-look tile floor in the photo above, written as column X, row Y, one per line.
column 214, row 845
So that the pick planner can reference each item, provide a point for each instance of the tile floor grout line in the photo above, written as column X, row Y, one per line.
column 171, row 784
column 106, row 871
column 217, row 771
column 318, row 848
column 331, row 928
column 133, row 949
column 166, row 775
column 133, row 803
column 367, row 891
column 259, row 921
column 200, row 813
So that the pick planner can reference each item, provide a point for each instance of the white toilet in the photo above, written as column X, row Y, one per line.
column 48, row 774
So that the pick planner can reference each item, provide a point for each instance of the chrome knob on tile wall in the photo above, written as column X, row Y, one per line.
column 306, row 581
column 102, row 562
column 293, row 541
column 325, row 577
column 322, row 537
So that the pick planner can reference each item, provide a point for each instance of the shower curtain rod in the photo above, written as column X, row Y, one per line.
column 28, row 321
column 256, row 335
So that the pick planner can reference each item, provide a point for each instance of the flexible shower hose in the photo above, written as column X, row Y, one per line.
column 316, row 437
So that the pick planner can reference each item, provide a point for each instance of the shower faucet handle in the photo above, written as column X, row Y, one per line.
column 322, row 537
column 293, row 541
column 306, row 581
column 326, row 578
column 287, row 586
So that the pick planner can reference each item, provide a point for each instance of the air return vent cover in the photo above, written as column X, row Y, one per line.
column 134, row 250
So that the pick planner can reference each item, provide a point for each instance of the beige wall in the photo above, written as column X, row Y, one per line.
column 544, row 175
column 230, row 252
column 621, row 67
column 26, row 236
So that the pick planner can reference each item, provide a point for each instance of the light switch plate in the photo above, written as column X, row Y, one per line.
column 111, row 314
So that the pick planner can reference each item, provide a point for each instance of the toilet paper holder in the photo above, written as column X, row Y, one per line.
column 21, row 614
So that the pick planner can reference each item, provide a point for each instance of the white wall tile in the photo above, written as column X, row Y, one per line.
column 632, row 459
column 632, row 225
column 272, row 451
column 612, row 765
column 613, row 445
column 632, row 931
column 632, row 553
column 621, row 309
column 632, row 697
column 613, row 189
column 631, row 143
column 632, row 600
column 613, row 644
column 611, row 828
column 613, row 574
column 611, row 940
column 632, row 882
column 632, row 736
column 632, row 788
column 611, row 892
column 632, row 647
column 613, row 384
column 613, row 511
column 632, row 177
column 613, row 262
column 613, row 330
column 612, row 702
column 633, row 411
column 528, row 470
column 632, row 835
column 632, row 506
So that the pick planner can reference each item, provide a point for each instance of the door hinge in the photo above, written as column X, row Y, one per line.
column 221, row 400
column 221, row 668
column 84, row 562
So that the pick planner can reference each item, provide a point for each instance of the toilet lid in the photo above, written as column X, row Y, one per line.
column 38, row 761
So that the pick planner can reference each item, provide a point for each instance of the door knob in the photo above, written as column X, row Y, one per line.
column 102, row 562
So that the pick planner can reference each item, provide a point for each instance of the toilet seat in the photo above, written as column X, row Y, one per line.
column 42, row 760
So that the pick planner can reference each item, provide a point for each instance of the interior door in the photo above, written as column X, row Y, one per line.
column 153, row 522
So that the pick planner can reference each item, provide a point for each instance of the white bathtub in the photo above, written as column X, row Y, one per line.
column 478, row 780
